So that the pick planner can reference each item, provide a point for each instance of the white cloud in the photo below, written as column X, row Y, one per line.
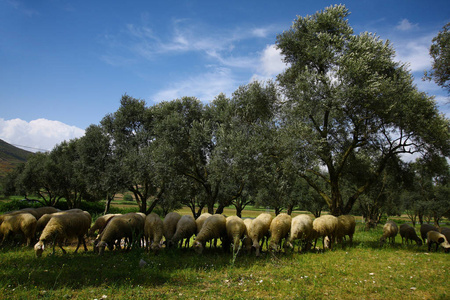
column 415, row 53
column 272, row 61
column 405, row 25
column 40, row 134
column 205, row 87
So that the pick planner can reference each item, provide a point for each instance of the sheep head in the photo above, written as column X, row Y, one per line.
column 198, row 247
column 39, row 248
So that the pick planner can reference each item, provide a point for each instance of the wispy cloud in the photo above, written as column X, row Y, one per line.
column 405, row 25
column 415, row 52
column 39, row 134
column 18, row 5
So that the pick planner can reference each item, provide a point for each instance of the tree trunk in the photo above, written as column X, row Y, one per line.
column 108, row 204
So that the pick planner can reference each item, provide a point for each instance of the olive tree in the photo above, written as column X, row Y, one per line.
column 345, row 93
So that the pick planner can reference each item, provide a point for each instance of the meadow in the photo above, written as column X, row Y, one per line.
column 364, row 270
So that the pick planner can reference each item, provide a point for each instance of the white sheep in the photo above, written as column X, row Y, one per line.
column 213, row 228
column 200, row 220
column 153, row 231
column 126, row 226
column 325, row 227
column 63, row 227
column 170, row 225
column 247, row 241
column 100, row 223
column 43, row 220
column 236, row 231
column 409, row 234
column 438, row 239
column 279, row 230
column 346, row 226
column 23, row 224
column 390, row 230
column 259, row 230
column 301, row 228
column 424, row 228
column 186, row 228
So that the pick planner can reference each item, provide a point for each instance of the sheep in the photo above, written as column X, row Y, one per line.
column 213, row 228
column 346, row 226
column 409, row 233
column 424, row 228
column 390, row 230
column 186, row 228
column 324, row 226
column 247, row 241
column 438, row 239
column 43, row 220
column 153, row 231
column 236, row 231
column 279, row 230
column 124, row 226
column 301, row 228
column 170, row 225
column 200, row 220
column 62, row 227
column 24, row 224
column 258, row 230
column 100, row 223
column 445, row 231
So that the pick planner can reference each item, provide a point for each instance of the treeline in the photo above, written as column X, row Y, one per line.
column 328, row 134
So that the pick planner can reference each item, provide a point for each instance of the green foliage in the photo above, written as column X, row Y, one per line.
column 440, row 53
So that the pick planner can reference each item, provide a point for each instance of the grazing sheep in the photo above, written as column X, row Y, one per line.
column 170, row 225
column 63, row 227
column 213, row 228
column 346, row 226
column 279, row 230
column 438, row 239
column 445, row 231
column 100, row 223
column 409, row 234
column 186, row 228
column 325, row 227
column 258, row 230
column 23, row 224
column 247, row 241
column 390, row 230
column 236, row 231
column 40, row 211
column 125, row 226
column 200, row 220
column 424, row 228
column 301, row 228
column 153, row 231
column 43, row 220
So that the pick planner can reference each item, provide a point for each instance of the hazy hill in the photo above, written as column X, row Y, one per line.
column 10, row 157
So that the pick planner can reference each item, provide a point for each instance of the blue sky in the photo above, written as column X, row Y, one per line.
column 65, row 64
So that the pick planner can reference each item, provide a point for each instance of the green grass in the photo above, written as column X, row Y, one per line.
column 362, row 271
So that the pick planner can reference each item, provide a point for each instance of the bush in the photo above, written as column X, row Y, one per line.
column 128, row 197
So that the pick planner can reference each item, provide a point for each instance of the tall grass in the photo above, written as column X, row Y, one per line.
column 364, row 270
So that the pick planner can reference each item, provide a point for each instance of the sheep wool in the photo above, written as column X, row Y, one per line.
column 301, row 228
column 186, row 228
column 63, row 227
column 346, row 226
column 409, row 234
column 170, row 224
column 434, row 237
column 258, row 230
column 213, row 228
column 100, row 223
column 279, row 230
column 424, row 228
column 236, row 231
column 153, row 231
column 200, row 220
column 23, row 224
column 325, row 227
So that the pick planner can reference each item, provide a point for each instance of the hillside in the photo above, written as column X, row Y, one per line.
column 10, row 157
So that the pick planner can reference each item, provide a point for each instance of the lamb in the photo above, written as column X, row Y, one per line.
column 125, row 226
column 236, row 231
column 279, row 230
column 390, row 230
column 153, row 231
column 424, row 228
column 213, row 228
column 325, row 226
column 24, row 224
column 301, row 228
column 100, row 223
column 258, row 230
column 63, row 227
column 438, row 239
column 409, row 233
column 170, row 225
column 200, row 220
column 346, row 226
column 186, row 228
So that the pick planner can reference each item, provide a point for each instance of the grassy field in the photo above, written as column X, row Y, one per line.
column 362, row 271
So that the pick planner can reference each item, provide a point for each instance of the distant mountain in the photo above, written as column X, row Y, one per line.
column 10, row 157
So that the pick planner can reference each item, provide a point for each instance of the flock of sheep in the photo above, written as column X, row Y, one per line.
column 114, row 231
